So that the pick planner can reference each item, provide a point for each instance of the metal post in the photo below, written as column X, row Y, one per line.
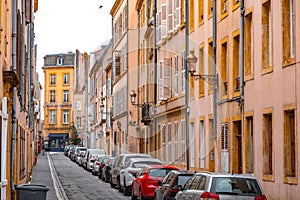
column 155, row 75
column 138, row 84
column 187, row 109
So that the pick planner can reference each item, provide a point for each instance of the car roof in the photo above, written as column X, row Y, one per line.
column 144, row 159
column 162, row 167
column 215, row 174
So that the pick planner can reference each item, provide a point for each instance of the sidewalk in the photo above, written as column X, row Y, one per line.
column 41, row 175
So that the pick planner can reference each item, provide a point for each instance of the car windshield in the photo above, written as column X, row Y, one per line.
column 159, row 172
column 80, row 149
column 236, row 186
column 97, row 151
column 182, row 179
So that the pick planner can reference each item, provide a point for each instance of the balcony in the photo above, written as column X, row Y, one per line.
column 146, row 119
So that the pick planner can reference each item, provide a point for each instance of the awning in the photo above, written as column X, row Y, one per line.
column 64, row 136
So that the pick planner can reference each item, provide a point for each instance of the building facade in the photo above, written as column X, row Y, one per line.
column 59, row 80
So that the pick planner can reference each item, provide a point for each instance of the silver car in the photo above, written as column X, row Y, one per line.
column 206, row 185
column 133, row 166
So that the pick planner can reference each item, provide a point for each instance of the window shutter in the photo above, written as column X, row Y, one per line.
column 167, row 78
column 159, row 27
column 161, row 81
column 225, row 137
column 164, row 21
column 170, row 16
column 175, row 82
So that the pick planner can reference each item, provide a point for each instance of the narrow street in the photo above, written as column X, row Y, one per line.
column 78, row 183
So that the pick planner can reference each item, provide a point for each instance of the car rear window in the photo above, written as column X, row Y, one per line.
column 181, row 180
column 136, row 156
column 240, row 186
column 159, row 172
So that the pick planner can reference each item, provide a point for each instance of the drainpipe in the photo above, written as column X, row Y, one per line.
column 138, row 83
column 23, row 56
column 241, row 67
column 187, row 109
column 13, row 114
column 155, row 77
column 127, row 75
column 29, row 73
column 215, row 81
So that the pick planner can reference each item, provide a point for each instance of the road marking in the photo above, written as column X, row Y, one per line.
column 60, row 193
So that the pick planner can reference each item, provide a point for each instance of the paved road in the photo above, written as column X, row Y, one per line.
column 78, row 184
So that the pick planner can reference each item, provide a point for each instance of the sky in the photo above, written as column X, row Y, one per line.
column 66, row 25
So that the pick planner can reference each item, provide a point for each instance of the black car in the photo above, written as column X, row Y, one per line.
column 169, row 187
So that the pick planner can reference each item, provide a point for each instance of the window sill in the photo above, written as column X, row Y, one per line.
column 267, row 70
column 224, row 97
column 269, row 178
column 235, row 6
column 290, row 180
column 224, row 15
column 288, row 62
column 249, row 77
column 236, row 94
column 201, row 95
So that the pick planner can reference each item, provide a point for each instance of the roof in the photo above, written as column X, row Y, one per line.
column 144, row 159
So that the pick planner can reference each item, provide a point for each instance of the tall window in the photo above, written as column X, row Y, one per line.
column 66, row 79
column 266, row 35
column 52, row 116
column 210, row 8
column 288, row 33
column 170, row 142
column 224, row 8
column 290, row 162
column 191, row 15
column 249, row 145
column 52, row 95
column 78, row 122
column 200, row 12
column 183, row 71
column 235, row 62
column 164, row 146
column 202, row 144
column 176, row 141
column 183, row 150
column 176, row 78
column 59, row 60
column 66, row 117
column 268, row 144
column 224, row 67
column 201, row 70
column 210, row 63
column 248, row 44
column 224, row 137
column 52, row 79
column 66, row 95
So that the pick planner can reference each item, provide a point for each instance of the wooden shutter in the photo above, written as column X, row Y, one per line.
column 170, row 15
column 167, row 77
column 164, row 21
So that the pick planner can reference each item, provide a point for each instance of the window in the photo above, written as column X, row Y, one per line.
column 176, row 78
column 170, row 142
column 224, row 144
column 224, row 67
column 290, row 162
column 66, row 95
column 224, row 8
column 52, row 79
column 266, row 36
column 183, row 150
column 288, row 32
column 176, row 140
column 235, row 4
column 268, row 144
column 66, row 117
column 200, row 12
column 164, row 146
column 202, row 144
column 170, row 16
column 59, row 60
column 52, row 116
column 22, row 152
column 249, row 145
column 66, row 79
column 78, row 122
column 177, row 13
column 248, row 44
column 164, row 30
column 209, row 8
column 201, row 70
column 235, row 61
column 210, row 63
column 52, row 95
column 183, row 71
column 191, row 15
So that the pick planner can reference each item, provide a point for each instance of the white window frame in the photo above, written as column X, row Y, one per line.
column 176, row 150
column 183, row 71
column 164, row 17
column 52, row 79
column 170, row 18
column 52, row 116
column 176, row 77
column 170, row 142
column 66, row 79
column 52, row 95
column 66, row 96
column 183, row 148
column 65, row 116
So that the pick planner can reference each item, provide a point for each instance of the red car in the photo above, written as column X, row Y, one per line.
column 146, row 182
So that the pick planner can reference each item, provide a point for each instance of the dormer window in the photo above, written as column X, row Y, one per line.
column 59, row 60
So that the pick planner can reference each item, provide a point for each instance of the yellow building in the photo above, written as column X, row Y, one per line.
column 58, row 72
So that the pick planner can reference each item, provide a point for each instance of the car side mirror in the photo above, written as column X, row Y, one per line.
column 179, row 187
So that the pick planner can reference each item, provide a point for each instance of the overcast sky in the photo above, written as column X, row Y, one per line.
column 66, row 25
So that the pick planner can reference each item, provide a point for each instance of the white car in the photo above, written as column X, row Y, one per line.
column 133, row 166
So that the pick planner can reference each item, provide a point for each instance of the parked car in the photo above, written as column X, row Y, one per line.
column 146, row 182
column 119, row 164
column 169, row 187
column 80, row 157
column 66, row 150
column 132, row 166
column 89, row 154
column 107, row 168
column 102, row 165
column 76, row 152
column 206, row 185
column 98, row 165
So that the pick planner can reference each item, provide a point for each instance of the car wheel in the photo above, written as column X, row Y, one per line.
column 119, row 186
column 125, row 189
column 111, row 183
column 141, row 197
column 133, row 197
